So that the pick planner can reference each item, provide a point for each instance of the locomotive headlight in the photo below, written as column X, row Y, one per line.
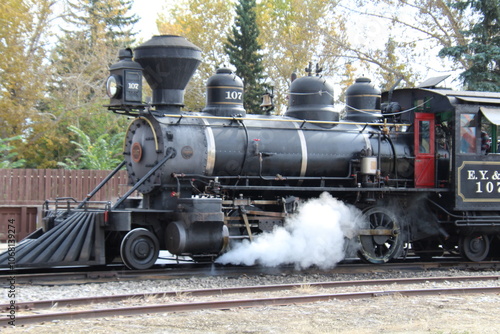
column 113, row 86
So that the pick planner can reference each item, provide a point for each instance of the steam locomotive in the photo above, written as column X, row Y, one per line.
column 416, row 165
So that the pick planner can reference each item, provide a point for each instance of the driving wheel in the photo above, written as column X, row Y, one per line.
column 380, row 240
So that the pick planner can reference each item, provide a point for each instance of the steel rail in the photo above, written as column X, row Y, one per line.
column 238, row 290
column 88, row 274
column 228, row 304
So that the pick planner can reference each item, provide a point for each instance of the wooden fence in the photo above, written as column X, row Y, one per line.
column 34, row 186
column 23, row 191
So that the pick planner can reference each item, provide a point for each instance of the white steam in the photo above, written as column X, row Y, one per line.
column 317, row 235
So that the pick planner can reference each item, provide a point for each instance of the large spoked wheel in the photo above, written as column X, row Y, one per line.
column 474, row 247
column 380, row 240
column 139, row 249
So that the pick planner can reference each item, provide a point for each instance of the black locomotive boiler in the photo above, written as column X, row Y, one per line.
column 414, row 164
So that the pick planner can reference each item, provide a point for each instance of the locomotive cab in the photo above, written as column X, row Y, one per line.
column 453, row 130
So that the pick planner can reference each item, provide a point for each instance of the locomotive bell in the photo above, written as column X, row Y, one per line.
column 363, row 101
column 224, row 94
column 124, row 85
column 169, row 62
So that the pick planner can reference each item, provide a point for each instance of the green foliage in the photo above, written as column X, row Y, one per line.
column 23, row 73
column 395, row 67
column 7, row 157
column 100, row 21
column 291, row 33
column 102, row 154
column 94, row 32
column 47, row 87
column 205, row 23
column 481, row 52
column 244, row 53
column 83, row 53
column 294, row 33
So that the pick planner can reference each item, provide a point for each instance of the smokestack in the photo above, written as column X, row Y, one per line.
column 168, row 64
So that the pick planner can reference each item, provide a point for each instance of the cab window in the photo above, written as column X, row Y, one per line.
column 468, row 133
column 424, row 137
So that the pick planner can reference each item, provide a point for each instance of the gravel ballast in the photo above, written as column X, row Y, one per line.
column 388, row 314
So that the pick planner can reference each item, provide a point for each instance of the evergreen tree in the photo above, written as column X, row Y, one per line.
column 482, row 52
column 102, row 21
column 243, row 51
column 97, row 29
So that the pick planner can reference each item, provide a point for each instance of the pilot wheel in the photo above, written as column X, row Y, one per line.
column 139, row 249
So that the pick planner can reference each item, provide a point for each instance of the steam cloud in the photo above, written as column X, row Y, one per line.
column 318, row 235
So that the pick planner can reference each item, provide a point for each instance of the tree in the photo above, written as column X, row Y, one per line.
column 7, row 156
column 393, row 66
column 94, row 31
column 103, row 21
column 383, row 39
column 481, row 53
column 24, row 32
column 206, row 24
column 245, row 54
column 288, row 34
column 413, row 31
column 294, row 33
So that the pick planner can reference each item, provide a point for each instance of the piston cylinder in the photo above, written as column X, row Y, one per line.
column 199, row 238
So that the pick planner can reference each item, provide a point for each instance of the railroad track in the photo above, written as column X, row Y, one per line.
column 62, row 276
column 304, row 293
